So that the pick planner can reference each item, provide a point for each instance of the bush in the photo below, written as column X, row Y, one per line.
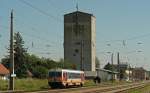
column 40, row 72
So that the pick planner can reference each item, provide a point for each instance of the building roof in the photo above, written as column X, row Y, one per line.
column 139, row 68
column 3, row 70
column 79, row 12
column 115, row 72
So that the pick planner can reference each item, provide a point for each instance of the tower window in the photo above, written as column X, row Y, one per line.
column 74, row 54
column 77, row 43
column 76, row 51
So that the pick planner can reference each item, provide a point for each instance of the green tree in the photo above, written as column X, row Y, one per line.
column 5, row 61
column 40, row 72
column 108, row 66
column 20, row 64
column 26, row 63
column 40, row 66
column 20, row 52
column 65, row 64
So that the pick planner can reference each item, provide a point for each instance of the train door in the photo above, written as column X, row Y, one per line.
column 82, row 77
column 64, row 76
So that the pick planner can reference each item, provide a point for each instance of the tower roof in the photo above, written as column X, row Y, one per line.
column 79, row 12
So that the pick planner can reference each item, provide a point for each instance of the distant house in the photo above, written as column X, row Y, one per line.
column 123, row 70
column 4, row 72
column 104, row 74
column 139, row 73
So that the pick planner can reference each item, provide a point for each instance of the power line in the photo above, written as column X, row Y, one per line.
column 40, row 38
column 40, row 11
column 140, row 36
column 52, row 5
column 32, row 28
column 51, row 44
column 132, row 38
column 39, row 50
column 32, row 36
column 29, row 27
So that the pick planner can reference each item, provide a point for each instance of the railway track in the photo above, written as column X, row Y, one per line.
column 104, row 89
column 120, row 89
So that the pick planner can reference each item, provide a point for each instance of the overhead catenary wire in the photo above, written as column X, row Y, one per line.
column 46, row 46
column 56, row 8
column 41, row 11
column 31, row 35
column 131, row 38
column 32, row 28
column 40, row 50
column 52, row 44
column 48, row 40
column 40, row 38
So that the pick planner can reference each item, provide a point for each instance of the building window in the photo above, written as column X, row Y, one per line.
column 74, row 54
column 77, row 43
column 81, row 28
column 76, row 51
column 78, row 29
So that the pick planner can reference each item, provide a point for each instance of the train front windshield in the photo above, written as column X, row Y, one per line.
column 54, row 74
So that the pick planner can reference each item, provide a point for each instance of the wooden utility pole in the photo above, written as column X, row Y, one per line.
column 11, row 67
column 112, row 66
column 129, row 71
column 118, row 61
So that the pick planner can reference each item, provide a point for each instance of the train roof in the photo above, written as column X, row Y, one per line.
column 67, row 70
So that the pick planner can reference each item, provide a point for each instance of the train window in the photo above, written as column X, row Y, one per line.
column 54, row 74
column 51, row 73
column 73, row 75
column 57, row 74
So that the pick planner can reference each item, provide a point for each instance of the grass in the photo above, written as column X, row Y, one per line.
column 30, row 84
column 89, row 83
column 34, row 84
column 3, row 85
column 26, row 84
column 146, row 89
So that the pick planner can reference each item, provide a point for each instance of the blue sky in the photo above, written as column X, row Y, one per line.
column 116, row 21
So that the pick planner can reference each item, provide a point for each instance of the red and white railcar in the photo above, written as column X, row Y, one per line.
column 65, row 78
